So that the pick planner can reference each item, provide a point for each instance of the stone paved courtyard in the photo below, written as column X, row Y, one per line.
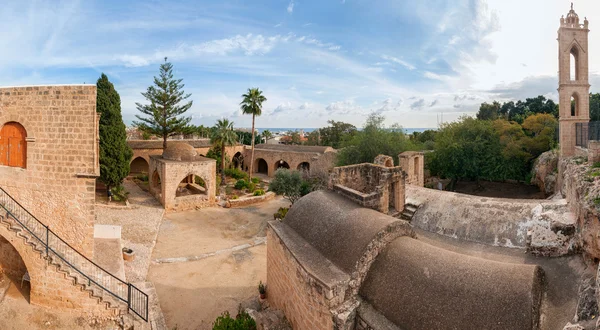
column 209, row 261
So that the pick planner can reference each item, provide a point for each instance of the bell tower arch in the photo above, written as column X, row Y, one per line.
column 573, row 79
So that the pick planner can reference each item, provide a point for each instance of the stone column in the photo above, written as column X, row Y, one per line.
column 593, row 151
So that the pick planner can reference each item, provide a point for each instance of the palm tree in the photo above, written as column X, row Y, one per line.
column 252, row 105
column 267, row 135
column 223, row 136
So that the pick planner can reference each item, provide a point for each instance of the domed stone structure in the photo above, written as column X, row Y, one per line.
column 180, row 151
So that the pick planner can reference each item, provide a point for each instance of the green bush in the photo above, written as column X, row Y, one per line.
column 255, row 180
column 259, row 192
column 142, row 177
column 218, row 180
column 242, row 321
column 119, row 193
column 251, row 187
column 241, row 184
column 228, row 190
column 199, row 181
column 596, row 165
column 281, row 213
column 236, row 173
column 234, row 197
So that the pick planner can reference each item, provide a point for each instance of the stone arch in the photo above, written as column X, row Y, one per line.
column 304, row 166
column 281, row 164
column 574, row 71
column 237, row 161
column 31, row 261
column 261, row 166
column 139, row 165
column 156, row 182
column 13, row 145
column 575, row 104
column 192, row 184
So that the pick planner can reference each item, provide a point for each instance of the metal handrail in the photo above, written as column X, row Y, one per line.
column 95, row 274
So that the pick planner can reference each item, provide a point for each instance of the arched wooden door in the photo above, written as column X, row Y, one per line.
column 13, row 147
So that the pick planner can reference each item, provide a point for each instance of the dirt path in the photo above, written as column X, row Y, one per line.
column 209, row 261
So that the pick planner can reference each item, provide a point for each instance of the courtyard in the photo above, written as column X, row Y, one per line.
column 208, row 261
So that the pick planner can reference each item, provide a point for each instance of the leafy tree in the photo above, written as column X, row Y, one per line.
column 488, row 111
column 267, row 135
column 337, row 133
column 246, row 137
column 312, row 139
column 595, row 106
column 223, row 136
column 163, row 117
column 295, row 138
column 374, row 139
column 252, row 105
column 287, row 183
column 115, row 154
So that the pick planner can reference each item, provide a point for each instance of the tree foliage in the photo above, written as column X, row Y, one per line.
column 163, row 116
column 335, row 134
column 289, row 184
column 252, row 105
column 518, row 111
column 115, row 154
column 374, row 139
column 492, row 150
column 223, row 136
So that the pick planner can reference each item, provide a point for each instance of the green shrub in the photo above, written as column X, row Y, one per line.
column 251, row 187
column 234, row 197
column 281, row 213
column 236, row 173
column 242, row 321
column 255, row 180
column 259, row 192
column 241, row 184
column 199, row 181
column 119, row 193
column 596, row 165
column 142, row 177
column 218, row 180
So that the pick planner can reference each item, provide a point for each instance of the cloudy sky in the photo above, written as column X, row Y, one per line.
column 315, row 60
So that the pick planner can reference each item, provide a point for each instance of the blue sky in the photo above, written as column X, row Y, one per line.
column 315, row 60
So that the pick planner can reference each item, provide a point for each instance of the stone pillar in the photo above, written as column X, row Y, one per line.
column 593, row 151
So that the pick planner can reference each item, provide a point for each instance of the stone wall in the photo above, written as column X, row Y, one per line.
column 413, row 164
column 58, row 184
column 301, row 296
column 373, row 186
column 545, row 171
column 246, row 201
column 320, row 159
column 10, row 260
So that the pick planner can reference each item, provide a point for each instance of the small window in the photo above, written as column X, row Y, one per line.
column 13, row 145
column 573, row 65
column 574, row 105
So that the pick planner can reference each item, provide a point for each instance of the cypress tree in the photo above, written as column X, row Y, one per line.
column 115, row 154
column 163, row 116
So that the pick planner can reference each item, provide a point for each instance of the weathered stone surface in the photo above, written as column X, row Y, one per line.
column 419, row 286
column 545, row 170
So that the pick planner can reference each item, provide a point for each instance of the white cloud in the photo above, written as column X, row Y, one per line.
column 398, row 61
column 418, row 104
column 344, row 108
column 434, row 103
column 277, row 25
column 133, row 60
column 290, row 7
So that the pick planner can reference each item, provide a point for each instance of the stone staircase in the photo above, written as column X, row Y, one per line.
column 108, row 291
column 115, row 306
column 409, row 211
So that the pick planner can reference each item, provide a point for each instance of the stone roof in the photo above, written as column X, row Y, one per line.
column 181, row 151
column 338, row 228
column 158, row 144
column 293, row 148
column 418, row 286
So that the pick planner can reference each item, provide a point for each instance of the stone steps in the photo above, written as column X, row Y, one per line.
column 115, row 306
column 409, row 211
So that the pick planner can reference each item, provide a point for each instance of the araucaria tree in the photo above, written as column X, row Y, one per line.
column 163, row 117
column 252, row 105
column 223, row 136
column 115, row 154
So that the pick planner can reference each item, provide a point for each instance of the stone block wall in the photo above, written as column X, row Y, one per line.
column 413, row 164
column 58, row 185
column 291, row 289
column 10, row 260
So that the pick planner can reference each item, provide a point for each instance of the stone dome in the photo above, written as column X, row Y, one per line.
column 179, row 151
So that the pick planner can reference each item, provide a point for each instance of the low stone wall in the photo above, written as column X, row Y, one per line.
column 245, row 201
column 190, row 202
column 542, row 226
column 545, row 172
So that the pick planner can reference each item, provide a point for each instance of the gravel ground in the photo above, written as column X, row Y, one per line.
column 139, row 227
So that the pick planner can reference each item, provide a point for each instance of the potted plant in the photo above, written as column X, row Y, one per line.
column 262, row 290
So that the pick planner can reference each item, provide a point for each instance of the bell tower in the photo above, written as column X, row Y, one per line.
column 573, row 79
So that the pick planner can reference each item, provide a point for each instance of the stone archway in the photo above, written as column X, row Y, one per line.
column 237, row 161
column 281, row 164
column 304, row 167
column 192, row 184
column 139, row 165
column 12, row 266
column 261, row 166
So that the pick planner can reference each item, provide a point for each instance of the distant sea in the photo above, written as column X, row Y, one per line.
column 407, row 130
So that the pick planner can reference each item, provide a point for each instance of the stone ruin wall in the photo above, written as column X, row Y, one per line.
column 58, row 185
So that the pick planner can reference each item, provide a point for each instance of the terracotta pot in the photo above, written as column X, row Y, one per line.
column 128, row 254
column 263, row 296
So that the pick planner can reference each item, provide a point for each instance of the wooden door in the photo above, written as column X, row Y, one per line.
column 13, row 147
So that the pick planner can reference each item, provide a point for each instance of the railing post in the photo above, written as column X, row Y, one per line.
column 128, row 296
column 47, row 240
